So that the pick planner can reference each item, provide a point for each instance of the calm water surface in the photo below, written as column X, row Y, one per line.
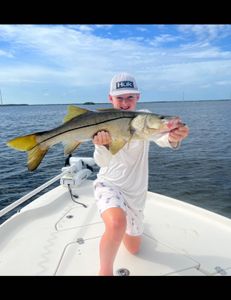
column 198, row 173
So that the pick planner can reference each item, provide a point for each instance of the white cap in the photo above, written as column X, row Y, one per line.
column 123, row 83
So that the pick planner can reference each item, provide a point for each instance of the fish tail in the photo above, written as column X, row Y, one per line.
column 35, row 157
column 35, row 151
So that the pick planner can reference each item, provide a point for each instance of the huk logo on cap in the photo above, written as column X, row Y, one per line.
column 124, row 84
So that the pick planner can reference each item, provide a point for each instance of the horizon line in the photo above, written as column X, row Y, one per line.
column 95, row 103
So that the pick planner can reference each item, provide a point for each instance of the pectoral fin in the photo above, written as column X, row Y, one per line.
column 70, row 147
column 116, row 145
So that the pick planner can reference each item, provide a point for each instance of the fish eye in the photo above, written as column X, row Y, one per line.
column 161, row 117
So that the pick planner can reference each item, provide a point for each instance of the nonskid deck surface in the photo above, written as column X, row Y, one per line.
column 55, row 236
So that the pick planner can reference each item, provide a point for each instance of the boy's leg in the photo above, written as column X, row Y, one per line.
column 115, row 225
column 134, row 230
column 132, row 243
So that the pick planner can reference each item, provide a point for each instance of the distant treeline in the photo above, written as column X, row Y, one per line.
column 13, row 105
column 88, row 103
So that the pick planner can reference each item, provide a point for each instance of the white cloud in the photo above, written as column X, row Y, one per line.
column 73, row 56
column 206, row 32
column 28, row 74
column 163, row 39
column 104, row 26
column 6, row 53
column 176, row 76
column 224, row 82
column 141, row 28
column 202, row 50
column 83, row 57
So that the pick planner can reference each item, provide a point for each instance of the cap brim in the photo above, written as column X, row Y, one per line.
column 122, row 92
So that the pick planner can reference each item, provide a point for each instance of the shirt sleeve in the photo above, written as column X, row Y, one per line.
column 162, row 141
column 102, row 156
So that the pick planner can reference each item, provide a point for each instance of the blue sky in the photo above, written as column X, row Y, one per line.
column 42, row 64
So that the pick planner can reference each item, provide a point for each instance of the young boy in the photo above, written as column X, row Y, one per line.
column 122, row 182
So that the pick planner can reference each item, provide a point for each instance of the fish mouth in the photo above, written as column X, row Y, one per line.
column 174, row 123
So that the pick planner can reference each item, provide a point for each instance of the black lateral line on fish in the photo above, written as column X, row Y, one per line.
column 81, row 128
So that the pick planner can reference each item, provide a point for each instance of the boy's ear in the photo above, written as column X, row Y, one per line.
column 138, row 97
column 110, row 97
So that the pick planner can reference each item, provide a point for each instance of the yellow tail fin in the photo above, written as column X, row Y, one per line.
column 23, row 143
column 29, row 143
column 35, row 157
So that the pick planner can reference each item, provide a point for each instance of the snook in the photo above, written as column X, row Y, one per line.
column 81, row 125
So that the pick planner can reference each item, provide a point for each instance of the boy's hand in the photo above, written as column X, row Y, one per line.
column 178, row 134
column 102, row 138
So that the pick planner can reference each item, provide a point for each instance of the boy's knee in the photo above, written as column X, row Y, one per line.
column 133, row 249
column 115, row 223
column 132, row 243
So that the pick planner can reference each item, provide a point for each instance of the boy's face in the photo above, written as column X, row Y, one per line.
column 125, row 101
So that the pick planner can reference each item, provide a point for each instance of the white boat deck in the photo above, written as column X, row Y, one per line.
column 55, row 236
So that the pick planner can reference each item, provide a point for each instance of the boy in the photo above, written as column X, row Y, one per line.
column 122, row 182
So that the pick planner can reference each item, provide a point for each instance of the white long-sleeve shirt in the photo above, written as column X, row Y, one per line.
column 127, row 170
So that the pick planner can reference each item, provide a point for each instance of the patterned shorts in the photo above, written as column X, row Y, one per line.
column 107, row 197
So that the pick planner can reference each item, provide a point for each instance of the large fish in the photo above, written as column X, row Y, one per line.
column 81, row 125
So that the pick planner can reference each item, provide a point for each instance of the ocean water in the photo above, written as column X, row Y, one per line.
column 198, row 173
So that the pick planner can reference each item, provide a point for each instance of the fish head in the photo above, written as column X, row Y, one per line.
column 145, row 125
column 159, row 123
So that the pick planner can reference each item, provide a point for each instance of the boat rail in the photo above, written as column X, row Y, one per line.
column 78, row 171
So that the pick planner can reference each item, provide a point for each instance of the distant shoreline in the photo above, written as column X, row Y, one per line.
column 96, row 103
column 16, row 104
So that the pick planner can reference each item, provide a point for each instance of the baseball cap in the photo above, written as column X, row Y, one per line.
column 123, row 83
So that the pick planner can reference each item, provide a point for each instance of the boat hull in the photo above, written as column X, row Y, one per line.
column 55, row 236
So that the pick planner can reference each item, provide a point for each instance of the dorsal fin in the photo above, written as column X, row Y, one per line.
column 74, row 111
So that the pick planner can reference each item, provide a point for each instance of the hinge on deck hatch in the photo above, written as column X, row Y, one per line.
column 80, row 241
